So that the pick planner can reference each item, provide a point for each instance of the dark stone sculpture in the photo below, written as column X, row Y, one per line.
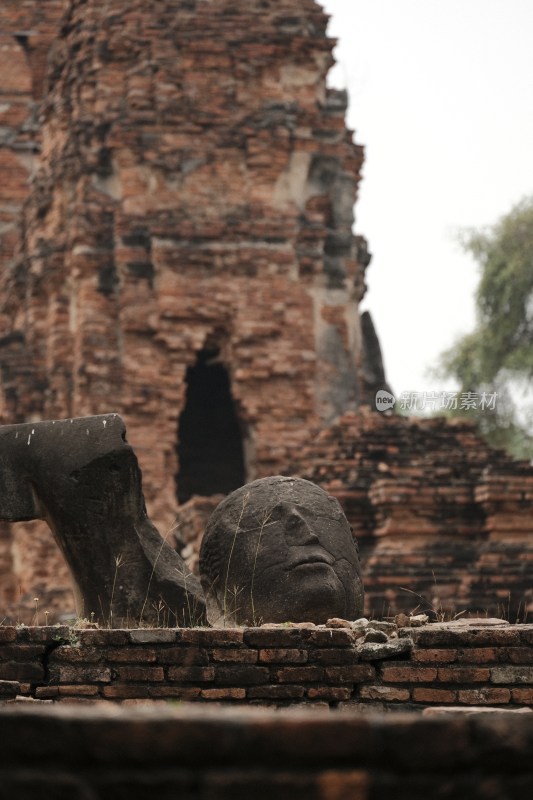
column 276, row 550
column 82, row 477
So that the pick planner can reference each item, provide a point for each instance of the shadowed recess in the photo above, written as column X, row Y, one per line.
column 210, row 450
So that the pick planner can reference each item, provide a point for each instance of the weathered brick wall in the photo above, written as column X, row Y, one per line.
column 447, row 664
column 188, row 752
column 202, row 211
column 27, row 31
column 29, row 561
column 435, row 511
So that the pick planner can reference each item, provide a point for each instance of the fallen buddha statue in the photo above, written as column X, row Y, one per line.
column 83, row 478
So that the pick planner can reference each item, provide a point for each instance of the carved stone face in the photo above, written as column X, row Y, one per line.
column 276, row 550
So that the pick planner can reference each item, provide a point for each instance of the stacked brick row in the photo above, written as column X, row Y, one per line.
column 448, row 665
column 442, row 520
column 506, row 557
column 254, row 665
column 465, row 665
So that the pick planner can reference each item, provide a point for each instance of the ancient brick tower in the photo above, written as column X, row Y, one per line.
column 187, row 255
column 176, row 245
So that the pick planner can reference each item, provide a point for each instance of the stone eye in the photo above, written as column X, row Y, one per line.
column 293, row 521
column 276, row 512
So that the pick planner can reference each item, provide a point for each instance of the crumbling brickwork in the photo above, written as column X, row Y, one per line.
column 191, row 213
column 26, row 33
column 463, row 663
column 435, row 510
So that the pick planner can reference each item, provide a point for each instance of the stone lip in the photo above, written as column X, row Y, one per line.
column 192, row 734
column 440, row 710
column 476, row 622
column 83, row 478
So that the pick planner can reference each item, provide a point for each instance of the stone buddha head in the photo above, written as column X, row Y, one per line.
column 279, row 549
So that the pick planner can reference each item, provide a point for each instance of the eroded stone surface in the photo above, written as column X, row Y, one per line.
column 279, row 549
column 82, row 477
column 374, row 651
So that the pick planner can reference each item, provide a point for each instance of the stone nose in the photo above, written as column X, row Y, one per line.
column 298, row 531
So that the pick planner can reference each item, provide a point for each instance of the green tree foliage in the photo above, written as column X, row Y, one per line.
column 498, row 355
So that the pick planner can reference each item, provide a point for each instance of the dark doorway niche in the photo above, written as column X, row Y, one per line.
column 22, row 39
column 210, row 447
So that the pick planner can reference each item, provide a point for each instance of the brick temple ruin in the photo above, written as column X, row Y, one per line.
column 176, row 245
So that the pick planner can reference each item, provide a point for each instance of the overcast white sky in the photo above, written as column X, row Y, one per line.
column 441, row 95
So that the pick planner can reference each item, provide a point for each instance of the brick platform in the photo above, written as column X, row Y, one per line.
column 448, row 664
